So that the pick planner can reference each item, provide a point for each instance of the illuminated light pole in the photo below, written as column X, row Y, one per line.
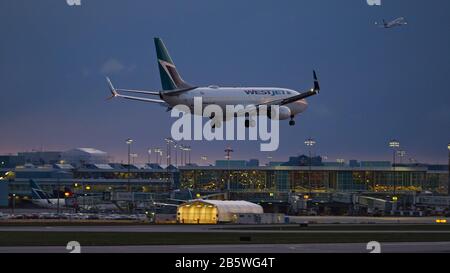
column 13, row 202
column 158, row 154
column 133, row 156
column 59, row 174
column 129, row 141
column 149, row 152
column 228, row 152
column 188, row 150
column 394, row 145
column 180, row 147
column 181, row 153
column 448, row 185
column 184, row 150
column 310, row 143
column 176, row 153
column 58, row 187
column 169, row 142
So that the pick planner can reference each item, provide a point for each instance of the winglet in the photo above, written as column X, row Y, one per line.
column 112, row 89
column 316, row 83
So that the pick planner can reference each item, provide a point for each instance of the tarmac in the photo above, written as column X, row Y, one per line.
column 371, row 228
column 419, row 247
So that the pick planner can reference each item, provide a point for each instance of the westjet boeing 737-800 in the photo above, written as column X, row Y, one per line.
column 175, row 91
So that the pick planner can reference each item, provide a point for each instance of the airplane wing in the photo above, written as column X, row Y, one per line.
column 116, row 94
column 139, row 91
column 313, row 91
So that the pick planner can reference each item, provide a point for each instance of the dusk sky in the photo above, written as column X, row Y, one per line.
column 377, row 84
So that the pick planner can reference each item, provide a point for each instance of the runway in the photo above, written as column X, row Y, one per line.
column 419, row 247
column 207, row 228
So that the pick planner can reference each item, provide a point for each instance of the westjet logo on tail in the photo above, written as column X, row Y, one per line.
column 267, row 92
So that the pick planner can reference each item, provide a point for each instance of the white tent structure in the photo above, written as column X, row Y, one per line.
column 214, row 211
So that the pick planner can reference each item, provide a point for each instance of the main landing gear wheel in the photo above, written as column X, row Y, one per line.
column 292, row 122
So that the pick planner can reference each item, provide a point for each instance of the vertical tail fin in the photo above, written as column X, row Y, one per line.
column 37, row 192
column 170, row 78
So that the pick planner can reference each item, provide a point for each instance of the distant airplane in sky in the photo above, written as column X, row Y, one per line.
column 176, row 91
column 401, row 21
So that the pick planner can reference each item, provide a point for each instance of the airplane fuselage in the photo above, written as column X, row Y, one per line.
column 49, row 203
column 223, row 96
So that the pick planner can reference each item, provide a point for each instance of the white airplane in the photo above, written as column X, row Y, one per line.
column 401, row 21
column 44, row 199
column 176, row 91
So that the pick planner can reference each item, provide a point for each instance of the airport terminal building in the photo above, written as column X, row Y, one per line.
column 86, row 172
column 246, row 183
column 302, row 179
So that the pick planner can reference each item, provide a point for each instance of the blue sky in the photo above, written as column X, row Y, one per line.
column 377, row 84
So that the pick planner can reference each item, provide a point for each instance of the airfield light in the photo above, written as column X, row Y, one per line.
column 88, row 188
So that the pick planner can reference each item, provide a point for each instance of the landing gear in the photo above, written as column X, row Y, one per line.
column 292, row 121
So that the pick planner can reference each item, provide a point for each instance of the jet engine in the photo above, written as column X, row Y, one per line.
column 284, row 113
